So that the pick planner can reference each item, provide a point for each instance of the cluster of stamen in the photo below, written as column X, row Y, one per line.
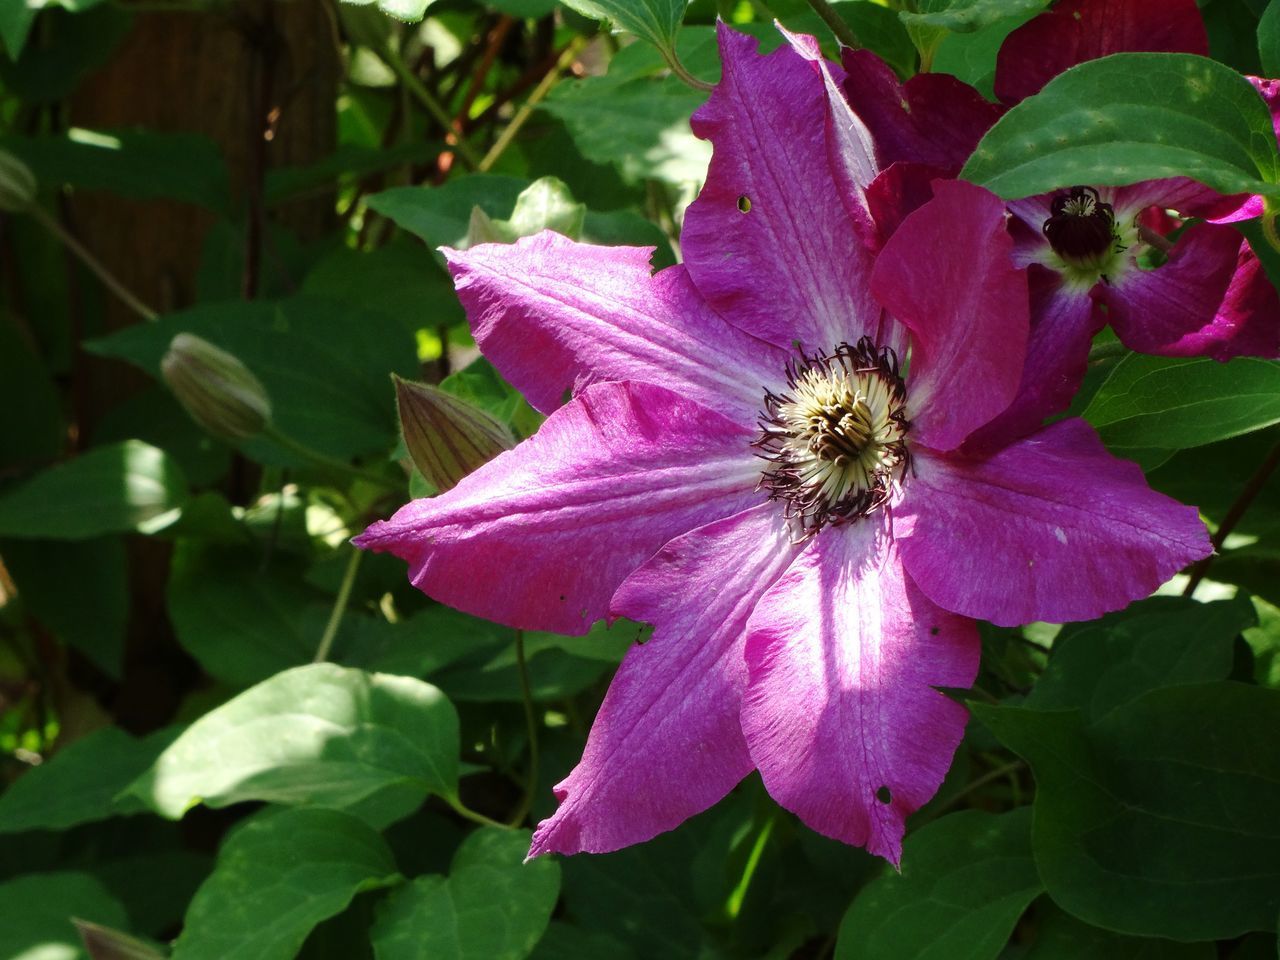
column 836, row 439
column 1082, row 229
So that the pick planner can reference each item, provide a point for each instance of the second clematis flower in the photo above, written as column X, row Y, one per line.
column 763, row 458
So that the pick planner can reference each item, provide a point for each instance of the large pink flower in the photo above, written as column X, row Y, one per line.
column 746, row 465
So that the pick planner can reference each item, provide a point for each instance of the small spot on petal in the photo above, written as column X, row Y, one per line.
column 744, row 204
column 1060, row 535
column 884, row 796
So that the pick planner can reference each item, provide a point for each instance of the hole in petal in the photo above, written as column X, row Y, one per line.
column 744, row 204
column 884, row 796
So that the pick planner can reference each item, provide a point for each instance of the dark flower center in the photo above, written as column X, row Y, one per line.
column 835, row 440
column 1081, row 228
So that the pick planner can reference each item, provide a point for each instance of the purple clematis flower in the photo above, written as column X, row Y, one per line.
column 1097, row 253
column 748, row 463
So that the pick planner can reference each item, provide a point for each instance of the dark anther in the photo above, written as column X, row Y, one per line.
column 744, row 204
column 1080, row 228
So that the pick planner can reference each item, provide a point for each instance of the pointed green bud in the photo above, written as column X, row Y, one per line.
column 215, row 388
column 447, row 437
column 17, row 184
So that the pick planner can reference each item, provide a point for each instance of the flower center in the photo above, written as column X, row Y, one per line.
column 836, row 439
column 1081, row 228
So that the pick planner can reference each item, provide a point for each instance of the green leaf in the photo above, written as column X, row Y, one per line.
column 965, row 16
column 546, row 204
column 321, row 734
column 110, row 489
column 441, row 215
column 965, row 880
column 1062, row 937
column 278, row 875
column 15, row 25
column 634, row 120
column 409, row 11
column 399, row 279
column 139, row 164
column 1158, row 820
column 972, row 56
column 80, row 783
column 95, row 624
column 1131, row 117
column 1174, row 403
column 1269, row 40
column 242, row 623
column 654, row 20
column 492, row 906
column 325, row 365
column 1159, row 642
column 36, row 919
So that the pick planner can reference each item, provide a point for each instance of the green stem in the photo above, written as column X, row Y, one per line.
column 418, row 90
column 844, row 33
column 95, row 266
column 467, row 813
column 734, row 904
column 323, row 459
column 1234, row 515
column 526, row 109
column 531, row 723
column 682, row 72
column 974, row 786
column 339, row 607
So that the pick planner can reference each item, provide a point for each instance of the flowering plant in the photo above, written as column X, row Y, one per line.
column 832, row 447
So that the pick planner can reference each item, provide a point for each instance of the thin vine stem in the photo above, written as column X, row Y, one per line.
column 323, row 459
column 1235, row 513
column 682, row 72
column 418, row 90
column 458, row 807
column 339, row 607
column 531, row 723
column 544, row 86
column 844, row 33
column 96, row 267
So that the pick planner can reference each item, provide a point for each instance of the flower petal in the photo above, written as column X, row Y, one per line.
column 1064, row 320
column 666, row 743
column 843, row 653
column 768, row 242
column 540, row 537
column 1051, row 528
column 933, row 118
column 946, row 274
column 555, row 315
column 1074, row 31
column 898, row 191
column 1210, row 299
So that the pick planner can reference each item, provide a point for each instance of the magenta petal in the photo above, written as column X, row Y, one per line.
column 933, row 119
column 899, row 191
column 946, row 273
column 843, row 652
column 667, row 743
column 540, row 537
column 1195, row 305
column 1051, row 528
column 1064, row 320
column 555, row 315
column 792, row 266
column 1074, row 31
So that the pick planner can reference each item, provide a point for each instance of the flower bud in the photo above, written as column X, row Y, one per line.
column 17, row 184
column 215, row 388
column 446, row 436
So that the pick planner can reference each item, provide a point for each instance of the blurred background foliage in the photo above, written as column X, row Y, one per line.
column 224, row 733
